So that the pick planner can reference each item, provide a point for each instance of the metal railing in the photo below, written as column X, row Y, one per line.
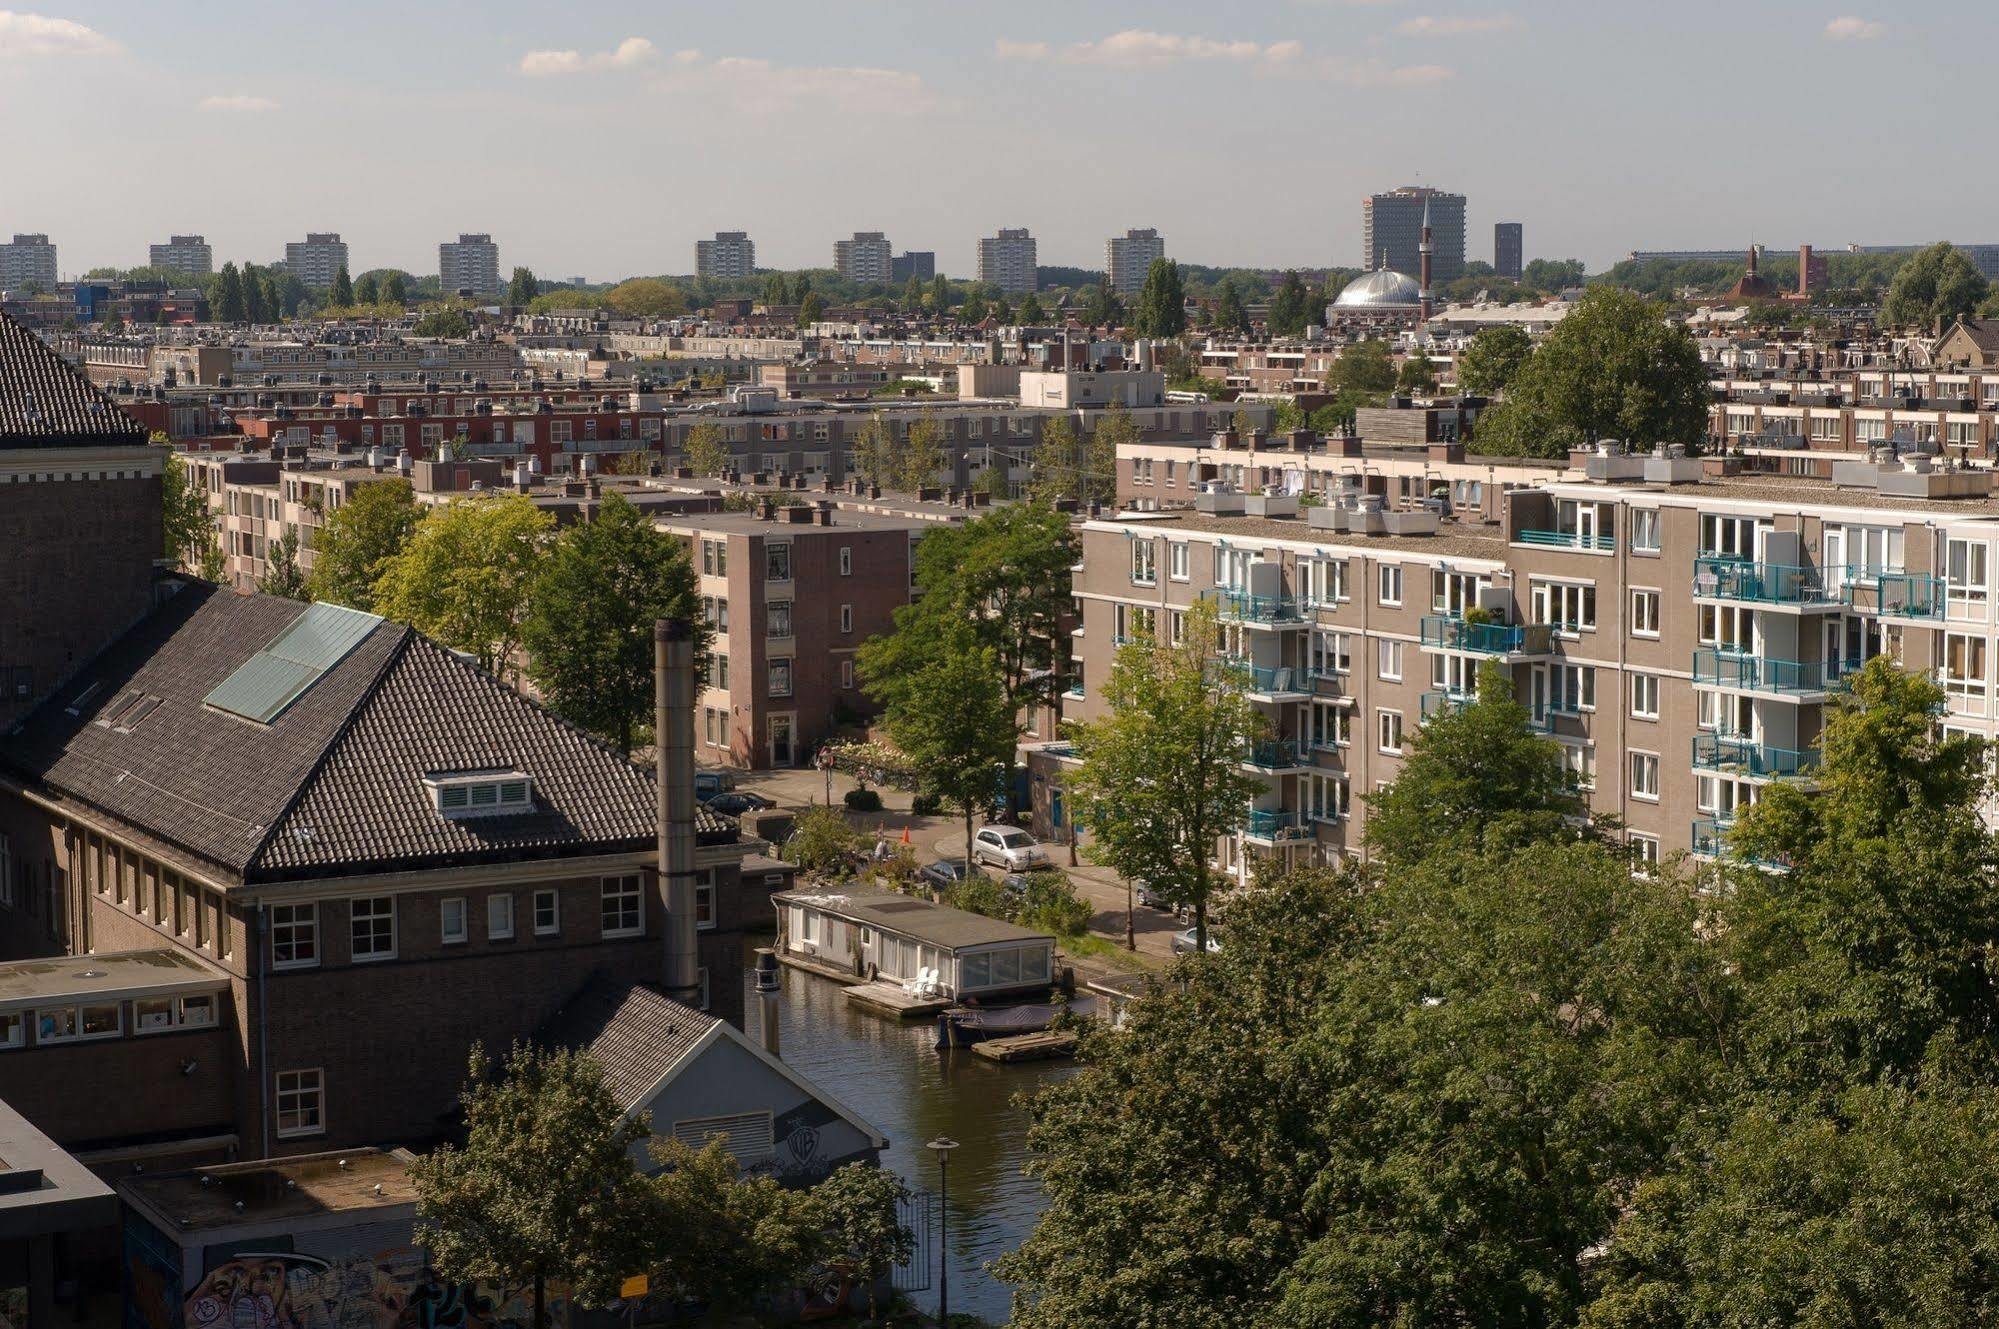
column 1244, row 607
column 1758, row 673
column 1894, row 593
column 1566, row 540
column 1451, row 633
column 1719, row 578
column 1736, row 754
column 1275, row 754
column 1709, row 839
column 1442, row 700
column 1271, row 824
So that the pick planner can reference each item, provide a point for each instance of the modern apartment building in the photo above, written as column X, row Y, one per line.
column 918, row 263
column 25, row 259
column 1007, row 260
column 1391, row 225
column 1676, row 629
column 191, row 254
column 317, row 258
column 1507, row 260
column 730, row 256
column 866, row 259
column 470, row 263
column 1128, row 257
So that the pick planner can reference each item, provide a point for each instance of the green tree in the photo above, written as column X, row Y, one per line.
column 1162, row 305
column 1488, row 365
column 1363, row 371
column 1056, row 468
column 973, row 310
column 731, row 1241
column 225, row 299
column 822, row 843
column 1230, row 315
column 274, row 301
column 543, row 1189
column 395, row 290
column 446, row 323
column 360, row 538
column 951, row 717
column 368, row 290
column 1115, row 428
column 1002, row 311
column 255, row 310
column 707, row 453
column 1161, row 778
column 921, row 456
column 1291, row 309
column 940, row 293
column 341, row 294
column 188, row 520
column 522, row 290
column 282, row 576
column 1417, row 376
column 811, row 309
column 588, row 628
column 862, row 1209
column 465, row 575
column 912, row 294
column 875, row 454
column 1613, row 368
column 1474, row 774
column 1934, row 288
column 1103, row 308
column 1031, row 312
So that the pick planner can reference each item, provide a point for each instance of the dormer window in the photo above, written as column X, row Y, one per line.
column 481, row 794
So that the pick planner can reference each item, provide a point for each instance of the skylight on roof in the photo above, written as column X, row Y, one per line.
column 310, row 646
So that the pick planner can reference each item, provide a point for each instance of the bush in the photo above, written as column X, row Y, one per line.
column 821, row 842
column 979, row 894
column 863, row 800
column 1052, row 905
column 926, row 805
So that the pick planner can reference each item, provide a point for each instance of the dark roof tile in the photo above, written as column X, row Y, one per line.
column 44, row 403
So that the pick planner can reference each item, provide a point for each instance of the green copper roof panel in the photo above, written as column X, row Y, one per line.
column 264, row 685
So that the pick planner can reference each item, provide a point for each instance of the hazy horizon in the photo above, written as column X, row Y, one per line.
column 604, row 141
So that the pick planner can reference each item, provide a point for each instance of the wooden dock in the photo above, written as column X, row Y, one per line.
column 1028, row 1047
column 889, row 999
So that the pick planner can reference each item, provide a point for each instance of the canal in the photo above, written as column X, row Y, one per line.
column 891, row 1074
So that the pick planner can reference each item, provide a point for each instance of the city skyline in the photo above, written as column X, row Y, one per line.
column 1379, row 94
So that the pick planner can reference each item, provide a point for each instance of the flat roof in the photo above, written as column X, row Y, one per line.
column 1453, row 539
column 42, row 1188
column 749, row 523
column 938, row 924
column 26, row 983
column 206, row 1199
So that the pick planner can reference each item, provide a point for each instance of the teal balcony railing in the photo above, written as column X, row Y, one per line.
column 1710, row 840
column 1448, row 632
column 1283, row 680
column 1271, row 824
column 1444, row 700
column 1246, row 608
column 1894, row 593
column 1566, row 540
column 1734, row 754
column 1277, row 754
column 1758, row 673
column 1074, row 690
column 1720, row 578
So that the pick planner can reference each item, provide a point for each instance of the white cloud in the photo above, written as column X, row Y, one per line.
column 1138, row 47
column 38, row 35
column 1849, row 28
column 1460, row 25
column 752, row 85
column 236, row 102
column 626, row 54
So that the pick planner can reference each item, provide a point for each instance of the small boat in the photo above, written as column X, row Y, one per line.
column 962, row 1026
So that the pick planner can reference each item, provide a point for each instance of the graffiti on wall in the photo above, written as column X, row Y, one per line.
column 394, row 1289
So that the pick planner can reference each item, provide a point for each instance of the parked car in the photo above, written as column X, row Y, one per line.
column 1149, row 897
column 1184, row 943
column 738, row 801
column 707, row 784
column 1013, row 888
column 945, row 873
column 1008, row 848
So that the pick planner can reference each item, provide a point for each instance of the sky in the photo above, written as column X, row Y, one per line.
column 602, row 139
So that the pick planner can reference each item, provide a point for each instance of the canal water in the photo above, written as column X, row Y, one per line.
column 891, row 1073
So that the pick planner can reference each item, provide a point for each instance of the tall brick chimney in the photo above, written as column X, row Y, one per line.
column 673, row 748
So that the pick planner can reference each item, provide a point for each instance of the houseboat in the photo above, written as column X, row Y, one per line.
column 865, row 935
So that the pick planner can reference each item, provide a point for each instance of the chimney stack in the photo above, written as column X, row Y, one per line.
column 673, row 749
column 767, row 992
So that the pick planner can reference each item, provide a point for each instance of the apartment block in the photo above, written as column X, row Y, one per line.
column 866, row 259
column 25, row 259
column 1128, row 257
column 470, row 263
column 1507, row 247
column 918, row 263
column 730, row 256
column 1007, row 260
column 1391, row 226
column 191, row 254
column 1677, row 630
column 315, row 259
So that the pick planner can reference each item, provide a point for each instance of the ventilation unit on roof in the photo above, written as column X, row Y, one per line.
column 481, row 794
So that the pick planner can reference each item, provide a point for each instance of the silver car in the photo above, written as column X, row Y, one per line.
column 1185, row 943
column 1008, row 848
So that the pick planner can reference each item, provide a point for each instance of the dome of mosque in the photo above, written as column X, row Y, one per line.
column 1383, row 288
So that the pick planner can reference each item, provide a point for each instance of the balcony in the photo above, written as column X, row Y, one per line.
column 1271, row 610
column 1744, row 672
column 1448, row 632
column 1710, row 840
column 1602, row 544
column 1733, row 754
column 1892, row 593
column 1720, row 578
column 1274, row 826
column 1444, row 700
column 1275, row 755
column 1273, row 684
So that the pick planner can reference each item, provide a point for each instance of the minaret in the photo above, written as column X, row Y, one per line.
column 1423, row 273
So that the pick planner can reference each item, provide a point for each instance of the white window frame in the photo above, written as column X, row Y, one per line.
column 1645, row 612
column 1386, row 718
column 1645, row 691
column 1645, row 770
column 307, row 1092
column 630, row 887
column 553, row 899
column 1388, row 585
column 500, row 916
column 1179, row 560
column 448, row 932
column 1644, row 850
column 304, row 915
column 1388, row 659
column 1647, row 525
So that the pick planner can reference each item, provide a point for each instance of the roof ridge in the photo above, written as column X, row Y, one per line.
column 369, row 694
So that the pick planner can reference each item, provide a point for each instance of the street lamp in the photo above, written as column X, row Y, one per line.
column 943, row 1145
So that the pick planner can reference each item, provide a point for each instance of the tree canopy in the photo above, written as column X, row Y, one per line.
column 1162, row 304
column 358, row 540
column 463, row 577
column 1934, row 288
column 1487, row 366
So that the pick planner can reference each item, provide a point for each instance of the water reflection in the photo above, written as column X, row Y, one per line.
column 891, row 1074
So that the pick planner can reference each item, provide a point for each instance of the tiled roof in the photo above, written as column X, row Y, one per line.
column 634, row 1033
column 334, row 784
column 44, row 403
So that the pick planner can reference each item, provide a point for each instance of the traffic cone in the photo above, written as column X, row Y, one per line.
column 905, row 835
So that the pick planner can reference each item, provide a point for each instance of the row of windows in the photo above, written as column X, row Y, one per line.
column 83, row 1021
